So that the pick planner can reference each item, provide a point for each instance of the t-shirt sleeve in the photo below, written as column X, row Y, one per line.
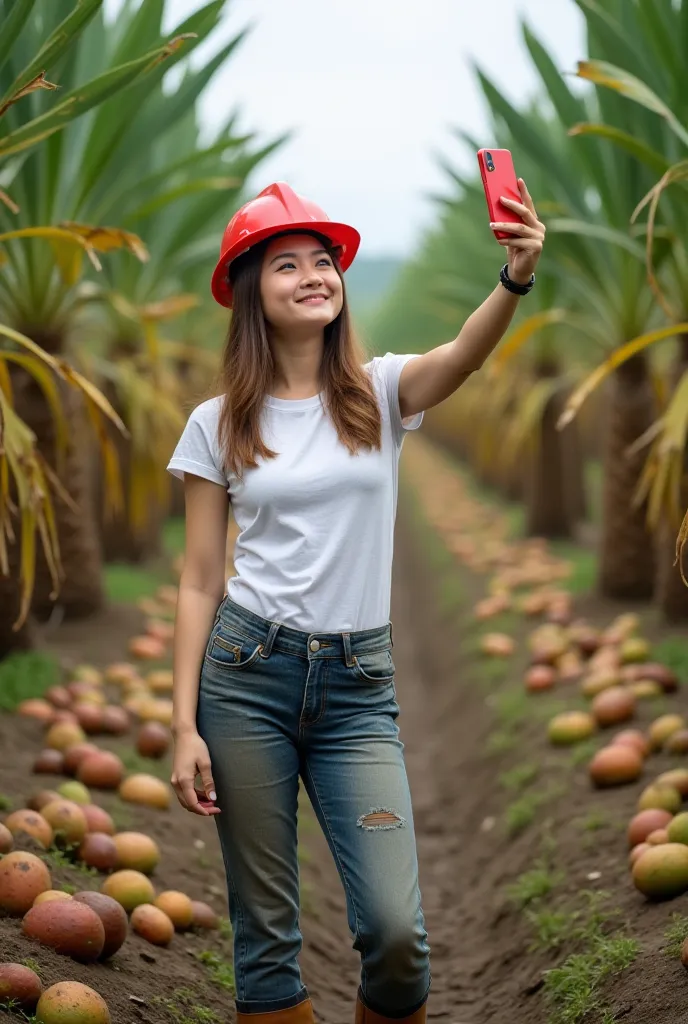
column 389, row 369
column 197, row 450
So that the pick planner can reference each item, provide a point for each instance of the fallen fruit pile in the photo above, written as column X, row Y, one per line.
column 608, row 672
column 90, row 926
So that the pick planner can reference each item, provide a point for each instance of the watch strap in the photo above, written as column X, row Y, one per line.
column 512, row 286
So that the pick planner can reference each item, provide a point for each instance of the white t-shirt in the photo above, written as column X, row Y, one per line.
column 316, row 523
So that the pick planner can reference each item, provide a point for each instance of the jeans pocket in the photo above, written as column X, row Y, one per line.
column 229, row 649
column 375, row 667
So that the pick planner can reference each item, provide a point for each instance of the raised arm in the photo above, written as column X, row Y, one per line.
column 437, row 374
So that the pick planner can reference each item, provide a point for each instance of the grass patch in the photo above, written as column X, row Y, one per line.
column 122, row 818
column 657, row 706
column 56, row 857
column 546, row 706
column 551, row 927
column 583, row 752
column 522, row 812
column 583, row 566
column 26, row 674
column 183, row 1007
column 672, row 652
column 533, row 885
column 435, row 550
column 500, row 742
column 308, row 823
column 127, row 583
column 303, row 854
column 594, row 821
column 306, row 898
column 506, row 622
column 511, row 707
column 134, row 762
column 573, row 990
column 518, row 777
column 221, row 972
column 490, row 673
column 450, row 594
column 174, row 536
column 676, row 934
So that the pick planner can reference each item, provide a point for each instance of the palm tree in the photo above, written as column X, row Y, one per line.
column 28, row 482
column 179, row 195
column 68, row 180
column 604, row 267
column 652, row 134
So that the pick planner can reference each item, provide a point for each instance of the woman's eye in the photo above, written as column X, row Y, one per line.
column 292, row 266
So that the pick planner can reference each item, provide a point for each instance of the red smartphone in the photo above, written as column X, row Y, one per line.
column 499, row 179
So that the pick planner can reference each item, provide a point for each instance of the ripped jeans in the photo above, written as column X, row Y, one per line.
column 276, row 704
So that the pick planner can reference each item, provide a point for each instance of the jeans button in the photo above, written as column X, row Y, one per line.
column 314, row 645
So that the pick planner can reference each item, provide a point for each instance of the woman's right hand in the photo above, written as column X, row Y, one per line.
column 191, row 757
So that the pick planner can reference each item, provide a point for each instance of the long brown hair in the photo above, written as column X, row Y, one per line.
column 247, row 371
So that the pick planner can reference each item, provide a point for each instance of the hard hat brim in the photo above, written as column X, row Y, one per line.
column 341, row 236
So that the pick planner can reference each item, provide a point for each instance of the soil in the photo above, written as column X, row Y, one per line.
column 484, row 971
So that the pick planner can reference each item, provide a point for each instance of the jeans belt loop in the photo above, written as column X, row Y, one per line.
column 218, row 615
column 272, row 633
column 391, row 633
column 348, row 657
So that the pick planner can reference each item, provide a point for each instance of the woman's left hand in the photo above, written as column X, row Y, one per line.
column 523, row 250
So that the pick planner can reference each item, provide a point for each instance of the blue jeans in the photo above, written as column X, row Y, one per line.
column 276, row 704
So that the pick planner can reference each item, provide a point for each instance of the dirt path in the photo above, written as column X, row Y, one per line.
column 525, row 844
column 330, row 967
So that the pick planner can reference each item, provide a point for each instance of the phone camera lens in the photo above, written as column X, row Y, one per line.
column 489, row 161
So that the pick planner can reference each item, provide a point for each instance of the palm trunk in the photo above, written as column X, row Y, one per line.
column 121, row 543
column 81, row 592
column 672, row 593
column 553, row 484
column 574, row 476
column 627, row 562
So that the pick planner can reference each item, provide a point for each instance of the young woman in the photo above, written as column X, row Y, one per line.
column 285, row 671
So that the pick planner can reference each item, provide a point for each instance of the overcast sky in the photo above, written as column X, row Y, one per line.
column 371, row 89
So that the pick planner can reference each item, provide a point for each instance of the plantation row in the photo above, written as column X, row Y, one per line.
column 110, row 213
column 582, row 411
column 65, row 827
column 595, row 709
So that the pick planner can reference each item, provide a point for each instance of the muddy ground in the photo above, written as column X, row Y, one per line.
column 462, row 732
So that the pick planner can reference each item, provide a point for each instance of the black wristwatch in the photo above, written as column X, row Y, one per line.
column 511, row 286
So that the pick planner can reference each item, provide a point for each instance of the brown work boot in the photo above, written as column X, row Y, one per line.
column 364, row 1015
column 302, row 1013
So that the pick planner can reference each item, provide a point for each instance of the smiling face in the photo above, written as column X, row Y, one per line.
column 299, row 284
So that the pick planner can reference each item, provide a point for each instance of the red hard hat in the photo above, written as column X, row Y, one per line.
column 277, row 208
